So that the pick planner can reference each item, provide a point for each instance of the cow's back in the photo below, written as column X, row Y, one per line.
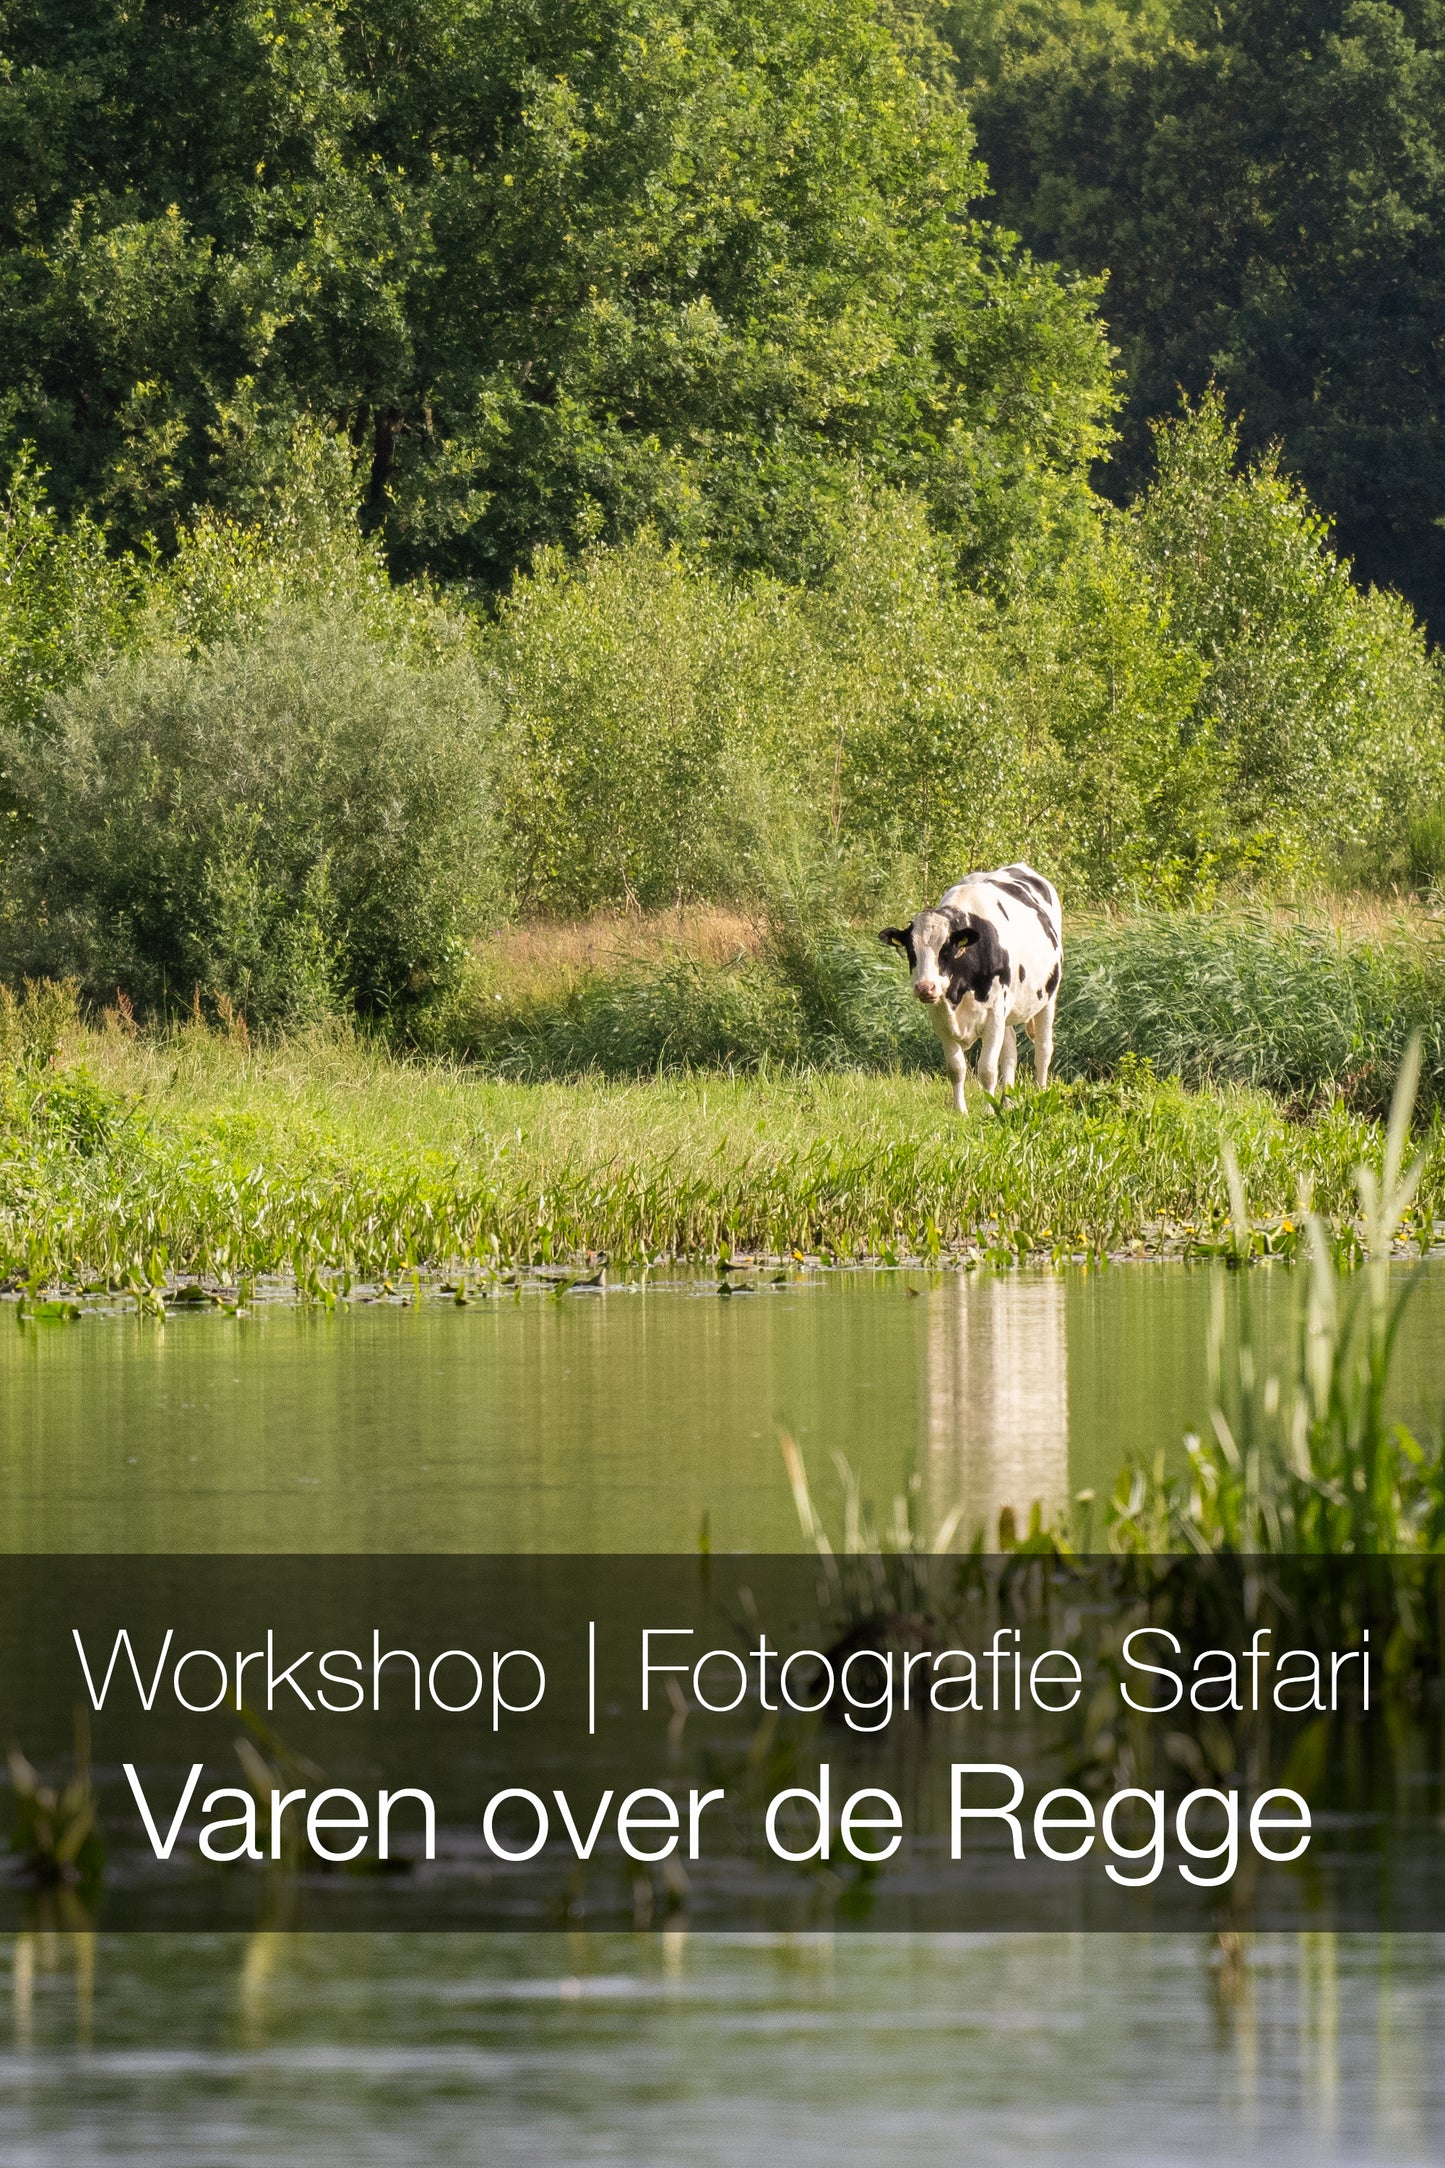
column 1025, row 910
column 1020, row 887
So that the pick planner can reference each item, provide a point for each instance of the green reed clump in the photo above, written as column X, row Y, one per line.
column 816, row 992
column 1308, row 1463
column 832, row 1001
column 55, row 1831
column 1292, row 1008
column 35, row 1023
column 678, row 1015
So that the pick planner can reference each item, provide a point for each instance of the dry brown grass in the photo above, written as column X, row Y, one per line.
column 548, row 957
column 545, row 960
column 1358, row 915
column 1372, row 917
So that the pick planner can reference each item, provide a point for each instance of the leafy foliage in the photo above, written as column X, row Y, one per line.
column 35, row 1023
column 553, row 271
column 1199, row 695
column 1319, row 703
column 261, row 773
column 65, row 602
column 643, row 698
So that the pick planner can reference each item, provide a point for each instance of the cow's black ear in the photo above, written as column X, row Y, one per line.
column 898, row 935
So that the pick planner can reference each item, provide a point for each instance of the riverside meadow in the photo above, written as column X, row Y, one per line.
column 696, row 1088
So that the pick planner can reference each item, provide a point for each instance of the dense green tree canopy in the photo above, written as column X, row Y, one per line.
column 1264, row 181
column 556, row 267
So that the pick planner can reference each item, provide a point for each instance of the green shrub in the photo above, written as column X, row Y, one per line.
column 272, row 785
column 287, row 821
column 65, row 604
column 1319, row 702
column 1425, row 850
column 674, row 734
column 651, row 711
column 921, row 760
column 71, row 1112
column 291, row 543
column 1198, row 695
column 1125, row 797
column 35, row 1023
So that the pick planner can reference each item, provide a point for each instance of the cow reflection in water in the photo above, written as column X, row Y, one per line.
column 995, row 1403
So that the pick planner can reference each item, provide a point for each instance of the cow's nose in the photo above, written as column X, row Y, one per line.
column 926, row 991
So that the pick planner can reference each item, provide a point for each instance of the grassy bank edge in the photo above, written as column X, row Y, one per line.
column 137, row 1161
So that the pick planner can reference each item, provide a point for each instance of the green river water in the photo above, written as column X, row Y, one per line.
column 618, row 1421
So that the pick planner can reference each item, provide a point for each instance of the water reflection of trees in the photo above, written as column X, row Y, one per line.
column 995, row 1401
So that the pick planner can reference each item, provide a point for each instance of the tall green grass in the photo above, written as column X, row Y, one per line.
column 787, row 1100
column 1289, row 1007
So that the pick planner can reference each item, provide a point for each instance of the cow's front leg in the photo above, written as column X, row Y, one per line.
column 992, row 1047
column 955, row 1038
column 956, row 1056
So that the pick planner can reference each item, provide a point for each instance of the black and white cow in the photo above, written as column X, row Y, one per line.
column 987, row 957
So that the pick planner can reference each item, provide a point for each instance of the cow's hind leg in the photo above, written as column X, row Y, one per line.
column 1041, row 1031
column 1008, row 1059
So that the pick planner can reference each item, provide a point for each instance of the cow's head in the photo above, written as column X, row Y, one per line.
column 950, row 953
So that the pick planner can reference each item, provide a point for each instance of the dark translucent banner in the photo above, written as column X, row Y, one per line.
column 735, row 1743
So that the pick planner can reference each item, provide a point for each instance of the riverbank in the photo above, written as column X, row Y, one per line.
column 135, row 1159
